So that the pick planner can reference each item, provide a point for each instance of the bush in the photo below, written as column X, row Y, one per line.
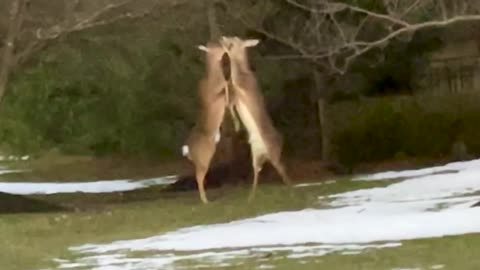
column 102, row 98
column 387, row 129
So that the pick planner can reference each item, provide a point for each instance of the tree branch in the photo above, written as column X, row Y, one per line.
column 387, row 27
column 337, row 7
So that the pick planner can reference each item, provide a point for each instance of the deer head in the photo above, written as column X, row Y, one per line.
column 235, row 46
column 215, row 51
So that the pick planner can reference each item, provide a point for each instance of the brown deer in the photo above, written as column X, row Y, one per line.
column 266, row 142
column 213, row 96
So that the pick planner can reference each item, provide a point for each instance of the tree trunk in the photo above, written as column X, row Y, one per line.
column 213, row 26
column 322, row 117
column 324, row 129
column 8, row 57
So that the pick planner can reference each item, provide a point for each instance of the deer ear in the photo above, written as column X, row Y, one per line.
column 251, row 42
column 202, row 48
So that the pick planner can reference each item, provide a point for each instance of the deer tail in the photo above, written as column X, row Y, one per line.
column 185, row 150
column 217, row 136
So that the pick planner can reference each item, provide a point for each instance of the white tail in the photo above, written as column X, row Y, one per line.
column 185, row 150
column 217, row 137
column 266, row 143
column 212, row 93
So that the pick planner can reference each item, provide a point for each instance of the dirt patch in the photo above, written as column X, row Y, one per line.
column 77, row 168
column 240, row 172
column 220, row 175
column 12, row 204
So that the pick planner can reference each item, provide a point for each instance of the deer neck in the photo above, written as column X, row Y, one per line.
column 240, row 64
column 214, row 68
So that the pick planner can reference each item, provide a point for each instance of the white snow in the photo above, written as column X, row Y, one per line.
column 7, row 171
column 315, row 184
column 29, row 188
column 427, row 205
column 14, row 158
column 450, row 167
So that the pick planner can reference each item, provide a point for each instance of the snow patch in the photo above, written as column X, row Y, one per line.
column 427, row 205
column 14, row 158
column 316, row 184
column 450, row 167
column 29, row 188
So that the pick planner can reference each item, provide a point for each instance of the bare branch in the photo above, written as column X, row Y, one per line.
column 345, row 36
column 268, row 34
column 90, row 21
column 444, row 9
column 16, row 11
column 337, row 7
column 412, row 28
column 339, row 29
column 412, row 7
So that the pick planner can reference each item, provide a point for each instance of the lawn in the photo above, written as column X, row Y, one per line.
column 42, row 240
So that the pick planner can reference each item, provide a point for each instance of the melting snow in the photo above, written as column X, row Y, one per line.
column 316, row 184
column 28, row 188
column 472, row 165
column 424, row 205
column 4, row 170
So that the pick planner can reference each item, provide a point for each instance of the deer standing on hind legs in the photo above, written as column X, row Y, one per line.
column 213, row 96
column 265, row 141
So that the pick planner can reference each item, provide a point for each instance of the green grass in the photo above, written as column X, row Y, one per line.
column 31, row 241
column 457, row 253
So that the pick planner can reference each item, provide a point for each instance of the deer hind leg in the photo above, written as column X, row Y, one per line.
column 257, row 161
column 202, row 163
column 280, row 167
column 200, row 173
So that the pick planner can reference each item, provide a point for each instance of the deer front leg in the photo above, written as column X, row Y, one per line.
column 200, row 173
column 231, row 100
column 257, row 162
column 280, row 167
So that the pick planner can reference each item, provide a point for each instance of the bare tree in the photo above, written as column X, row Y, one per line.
column 14, row 24
column 33, row 25
column 335, row 33
column 332, row 34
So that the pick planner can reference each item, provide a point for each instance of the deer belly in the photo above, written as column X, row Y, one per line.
column 254, row 138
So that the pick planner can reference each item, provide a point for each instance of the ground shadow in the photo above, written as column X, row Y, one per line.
column 14, row 204
column 216, row 177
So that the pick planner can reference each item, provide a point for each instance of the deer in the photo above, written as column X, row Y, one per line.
column 265, row 141
column 213, row 94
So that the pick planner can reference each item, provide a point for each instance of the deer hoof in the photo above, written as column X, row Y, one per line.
column 204, row 199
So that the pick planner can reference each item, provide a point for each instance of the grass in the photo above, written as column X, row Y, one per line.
column 32, row 241
column 57, row 167
column 457, row 253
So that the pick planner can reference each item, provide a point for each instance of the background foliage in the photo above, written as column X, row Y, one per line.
column 129, row 89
